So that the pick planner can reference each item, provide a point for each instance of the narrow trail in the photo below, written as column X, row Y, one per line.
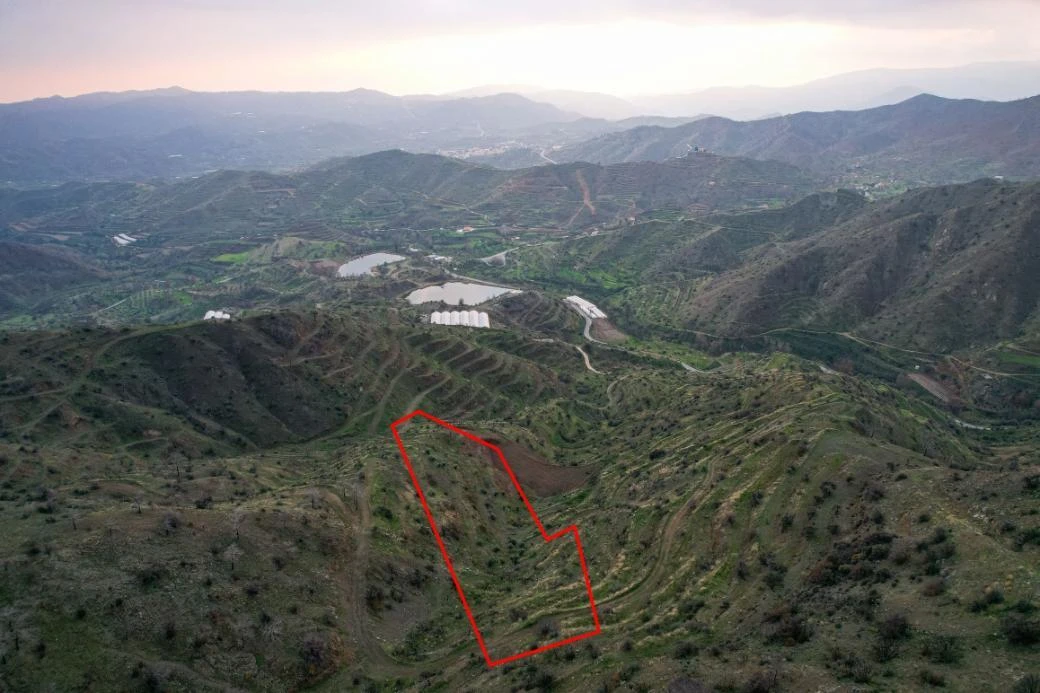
column 353, row 578
column 81, row 379
column 965, row 364
column 588, row 330
column 380, row 408
column 355, row 364
column 610, row 389
column 291, row 357
column 588, row 364
column 183, row 670
column 664, row 543
column 672, row 529
column 32, row 395
column 414, row 403
column 117, row 303
column 395, row 351
column 1024, row 351
column 586, row 201
column 586, row 195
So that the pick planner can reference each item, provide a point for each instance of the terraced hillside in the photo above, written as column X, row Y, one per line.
column 209, row 506
column 277, row 378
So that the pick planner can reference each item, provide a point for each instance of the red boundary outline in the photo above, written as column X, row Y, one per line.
column 572, row 529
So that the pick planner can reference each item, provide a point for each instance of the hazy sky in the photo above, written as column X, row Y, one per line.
column 409, row 46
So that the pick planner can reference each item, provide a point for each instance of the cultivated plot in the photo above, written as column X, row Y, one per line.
column 523, row 586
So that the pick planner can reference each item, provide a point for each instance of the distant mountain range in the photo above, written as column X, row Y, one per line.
column 926, row 139
column 393, row 189
column 176, row 133
column 999, row 81
column 588, row 103
column 996, row 81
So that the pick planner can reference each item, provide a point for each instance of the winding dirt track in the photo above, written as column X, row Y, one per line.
column 586, row 201
column 588, row 364
column 352, row 579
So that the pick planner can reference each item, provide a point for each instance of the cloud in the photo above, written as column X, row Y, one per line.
column 96, row 23
column 66, row 46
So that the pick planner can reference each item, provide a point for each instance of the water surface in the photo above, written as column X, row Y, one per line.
column 363, row 265
column 452, row 292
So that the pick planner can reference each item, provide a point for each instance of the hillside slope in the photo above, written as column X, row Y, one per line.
column 396, row 189
column 28, row 272
column 940, row 269
column 236, row 515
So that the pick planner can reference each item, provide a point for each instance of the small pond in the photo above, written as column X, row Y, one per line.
column 452, row 292
column 363, row 265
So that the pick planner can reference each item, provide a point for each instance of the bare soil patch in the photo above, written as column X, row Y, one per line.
column 604, row 331
column 538, row 477
column 933, row 387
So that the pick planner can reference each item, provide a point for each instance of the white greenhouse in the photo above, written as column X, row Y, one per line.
column 463, row 318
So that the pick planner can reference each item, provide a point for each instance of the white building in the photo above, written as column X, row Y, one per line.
column 584, row 307
column 217, row 315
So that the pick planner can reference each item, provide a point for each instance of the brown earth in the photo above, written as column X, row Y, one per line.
column 604, row 330
column 932, row 386
column 538, row 477
column 326, row 268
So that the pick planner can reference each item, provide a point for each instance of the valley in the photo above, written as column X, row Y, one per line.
column 795, row 414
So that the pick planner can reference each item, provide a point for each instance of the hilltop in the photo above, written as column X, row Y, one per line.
column 937, row 269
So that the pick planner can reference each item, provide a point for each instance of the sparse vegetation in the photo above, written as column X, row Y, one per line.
column 191, row 504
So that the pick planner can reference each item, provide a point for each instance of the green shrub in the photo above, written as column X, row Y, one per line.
column 1020, row 630
column 895, row 627
column 943, row 649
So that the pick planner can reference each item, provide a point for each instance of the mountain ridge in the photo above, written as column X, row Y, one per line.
column 858, row 90
column 926, row 139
